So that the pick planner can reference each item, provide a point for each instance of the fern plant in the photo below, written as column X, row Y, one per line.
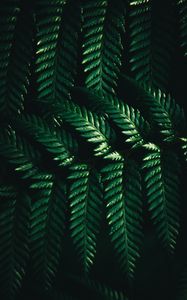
column 93, row 149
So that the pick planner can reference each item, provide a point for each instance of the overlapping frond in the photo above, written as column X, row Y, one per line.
column 163, row 193
column 48, row 22
column 122, row 196
column 71, row 170
column 102, row 290
column 39, row 130
column 165, row 116
column 103, row 25
column 68, row 63
column 86, row 129
column 174, row 111
column 85, row 196
column 129, row 120
column 15, row 55
column 140, row 32
column 14, row 240
column 47, row 226
column 17, row 159
column 58, row 25
column 99, row 121
column 152, row 41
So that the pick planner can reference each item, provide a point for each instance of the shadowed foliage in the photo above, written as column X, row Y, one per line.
column 93, row 150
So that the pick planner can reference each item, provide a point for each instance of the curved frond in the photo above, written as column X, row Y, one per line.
column 87, row 130
column 129, row 120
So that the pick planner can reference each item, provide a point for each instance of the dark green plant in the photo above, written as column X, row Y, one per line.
column 93, row 149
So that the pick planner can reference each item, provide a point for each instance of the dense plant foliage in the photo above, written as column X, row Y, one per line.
column 93, row 149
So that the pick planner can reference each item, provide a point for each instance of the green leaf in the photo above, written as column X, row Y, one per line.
column 184, row 148
column 47, row 226
column 130, row 122
column 39, row 130
column 14, row 240
column 166, row 113
column 159, row 108
column 58, row 24
column 163, row 195
column 85, row 127
column 16, row 158
column 103, row 25
column 15, row 55
column 85, row 196
column 123, row 199
column 152, row 41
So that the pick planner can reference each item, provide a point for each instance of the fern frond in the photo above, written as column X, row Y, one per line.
column 15, row 55
column 102, row 291
column 67, row 64
column 122, row 196
column 99, row 121
column 182, row 10
column 130, row 122
column 48, row 21
column 102, row 46
column 162, row 184
column 161, row 111
column 47, row 226
column 184, row 148
column 16, row 158
column 152, row 41
column 175, row 112
column 86, row 130
column 57, row 33
column 85, row 195
column 140, row 33
column 166, row 105
column 31, row 152
column 39, row 130
column 70, row 142
column 14, row 240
